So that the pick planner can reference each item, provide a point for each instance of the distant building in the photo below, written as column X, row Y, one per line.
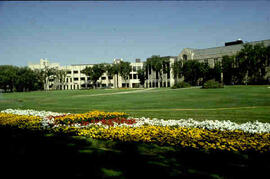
column 212, row 55
column 77, row 80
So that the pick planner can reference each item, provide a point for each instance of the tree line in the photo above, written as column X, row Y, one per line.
column 251, row 65
column 19, row 79
column 122, row 69
column 14, row 78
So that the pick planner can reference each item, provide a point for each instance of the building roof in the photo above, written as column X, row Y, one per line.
column 217, row 52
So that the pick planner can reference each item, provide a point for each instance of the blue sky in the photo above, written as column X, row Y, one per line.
column 95, row 32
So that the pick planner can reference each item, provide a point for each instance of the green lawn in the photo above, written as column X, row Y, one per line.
column 32, row 153
column 235, row 103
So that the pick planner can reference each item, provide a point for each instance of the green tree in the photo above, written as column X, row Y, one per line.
column 59, row 78
column 177, row 69
column 116, row 71
column 8, row 77
column 110, row 72
column 125, row 69
column 142, row 75
column 159, row 64
column 228, row 69
column 26, row 79
column 217, row 70
column 94, row 73
column 192, row 71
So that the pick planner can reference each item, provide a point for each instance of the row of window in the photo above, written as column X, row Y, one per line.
column 134, row 76
column 134, row 68
column 72, row 87
column 155, row 84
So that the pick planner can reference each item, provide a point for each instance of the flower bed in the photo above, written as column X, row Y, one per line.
column 92, row 117
column 206, row 135
column 20, row 121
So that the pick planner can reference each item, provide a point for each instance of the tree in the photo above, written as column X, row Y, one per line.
column 8, row 76
column 251, row 63
column 228, row 69
column 59, row 79
column 125, row 69
column 177, row 69
column 45, row 74
column 206, row 72
column 14, row 78
column 159, row 64
column 26, row 79
column 110, row 72
column 94, row 72
column 192, row 71
column 141, row 76
column 116, row 71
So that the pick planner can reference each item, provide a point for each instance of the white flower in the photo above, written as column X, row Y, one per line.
column 251, row 127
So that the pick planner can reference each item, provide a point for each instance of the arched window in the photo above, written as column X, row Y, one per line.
column 185, row 57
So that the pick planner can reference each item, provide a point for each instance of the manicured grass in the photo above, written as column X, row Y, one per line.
column 31, row 153
column 235, row 103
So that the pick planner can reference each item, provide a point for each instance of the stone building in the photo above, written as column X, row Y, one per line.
column 74, row 79
column 212, row 55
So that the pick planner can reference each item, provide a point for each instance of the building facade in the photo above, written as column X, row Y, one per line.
column 212, row 55
column 75, row 79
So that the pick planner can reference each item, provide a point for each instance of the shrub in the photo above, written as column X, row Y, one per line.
column 181, row 84
column 212, row 84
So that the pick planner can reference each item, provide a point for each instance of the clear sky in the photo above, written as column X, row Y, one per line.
column 95, row 32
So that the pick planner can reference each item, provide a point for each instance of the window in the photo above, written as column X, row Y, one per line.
column 103, row 78
column 82, row 78
column 68, row 72
column 130, row 76
column 168, row 84
column 185, row 57
column 134, row 68
column 134, row 76
column 76, row 79
column 75, row 72
column 70, row 80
